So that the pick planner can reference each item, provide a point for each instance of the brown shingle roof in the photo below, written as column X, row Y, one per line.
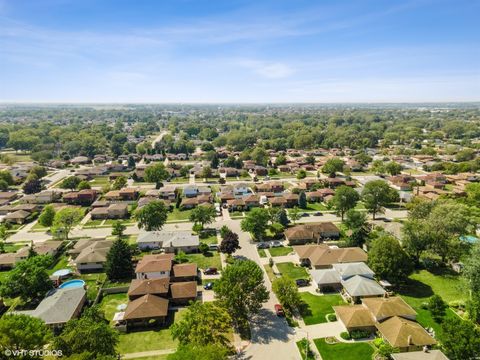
column 182, row 270
column 322, row 255
column 354, row 316
column 147, row 306
column 182, row 290
column 148, row 286
column 154, row 263
column 402, row 333
column 383, row 308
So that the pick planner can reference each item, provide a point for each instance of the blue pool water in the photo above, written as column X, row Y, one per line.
column 72, row 284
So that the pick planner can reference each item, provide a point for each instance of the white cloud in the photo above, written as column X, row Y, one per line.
column 269, row 70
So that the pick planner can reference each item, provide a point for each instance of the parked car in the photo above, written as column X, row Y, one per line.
column 210, row 271
column 305, row 214
column 276, row 243
column 279, row 310
column 262, row 245
column 213, row 247
column 302, row 282
column 208, row 286
column 318, row 213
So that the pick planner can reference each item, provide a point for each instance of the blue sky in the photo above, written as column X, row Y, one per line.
column 239, row 51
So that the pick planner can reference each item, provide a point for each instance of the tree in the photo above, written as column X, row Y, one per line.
column 28, row 280
column 65, row 219
column 203, row 215
column 214, row 162
column 437, row 307
column 7, row 177
column 302, row 200
column 156, row 173
column 471, row 271
column 47, row 216
column 32, row 184
column 357, row 222
column 376, row 194
column 152, row 216
column 460, row 339
column 242, row 291
column 131, row 162
column 388, row 260
column 203, row 324
column 282, row 218
column 83, row 185
column 332, row 166
column 229, row 243
column 301, row 174
column 416, row 238
column 310, row 160
column 195, row 352
column 256, row 223
column 91, row 334
column 119, row 183
column 393, row 168
column 224, row 230
column 294, row 214
column 21, row 332
column 3, row 185
column 70, row 182
column 118, row 228
column 345, row 198
column 473, row 193
column 207, row 172
column 119, row 264
column 287, row 293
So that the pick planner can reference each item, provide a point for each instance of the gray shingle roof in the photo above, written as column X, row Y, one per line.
column 360, row 286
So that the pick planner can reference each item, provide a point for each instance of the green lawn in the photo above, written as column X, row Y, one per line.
column 210, row 240
column 3, row 275
column 100, row 181
column 270, row 273
column 294, row 272
column 280, row 251
column 92, row 223
column 301, row 345
column 93, row 282
column 262, row 253
column 344, row 351
column 38, row 227
column 110, row 302
column 178, row 214
column 423, row 284
column 158, row 357
column 211, row 260
column 236, row 214
column 62, row 263
column 316, row 207
column 317, row 307
column 155, row 339
column 10, row 248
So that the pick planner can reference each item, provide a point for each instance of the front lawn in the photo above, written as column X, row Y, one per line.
column 302, row 345
column 270, row 273
column 110, row 302
column 316, row 206
column 293, row 272
column 212, row 239
column 212, row 259
column 100, row 181
column 261, row 253
column 344, row 351
column 179, row 215
column 317, row 307
column 155, row 339
column 280, row 251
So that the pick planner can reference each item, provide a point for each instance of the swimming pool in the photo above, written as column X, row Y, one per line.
column 72, row 284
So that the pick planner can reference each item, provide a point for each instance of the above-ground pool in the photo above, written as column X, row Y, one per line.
column 72, row 284
column 469, row 238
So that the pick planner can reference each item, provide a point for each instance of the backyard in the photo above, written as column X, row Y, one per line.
column 110, row 302
column 179, row 215
column 288, row 269
column 211, row 259
column 344, row 351
column 318, row 307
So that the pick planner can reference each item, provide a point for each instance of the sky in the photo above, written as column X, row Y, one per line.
column 234, row 51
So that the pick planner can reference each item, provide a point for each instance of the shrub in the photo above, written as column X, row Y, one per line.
column 359, row 334
column 203, row 248
column 457, row 304
column 345, row 335
column 332, row 317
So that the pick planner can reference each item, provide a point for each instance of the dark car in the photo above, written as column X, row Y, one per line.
column 263, row 245
column 279, row 310
column 210, row 271
column 318, row 213
column 208, row 286
column 302, row 282
column 305, row 214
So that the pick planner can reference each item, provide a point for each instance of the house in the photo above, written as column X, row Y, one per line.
column 183, row 292
column 17, row 217
column 355, row 317
column 327, row 279
column 240, row 189
column 424, row 354
column 190, row 191
column 277, row 201
column 348, row 270
column 30, row 208
column 78, row 160
column 323, row 257
column 7, row 196
column 251, row 201
column 311, row 232
column 145, row 309
column 236, row 204
column 93, row 256
column 7, row 261
column 59, row 306
column 404, row 334
column 387, row 307
column 170, row 241
column 46, row 248
column 129, row 194
column 139, row 287
column 184, row 272
column 113, row 211
column 358, row 287
column 82, row 197
column 167, row 193
column 43, row 197
column 154, row 266
column 291, row 200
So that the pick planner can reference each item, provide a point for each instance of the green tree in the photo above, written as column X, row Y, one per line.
column 294, row 214
column 6, row 176
column 47, row 216
column 376, row 194
column 118, row 228
column 416, row 238
column 207, row 172
column 91, row 333
column 65, row 220
column 287, row 293
column 302, row 200
column 393, row 168
column 357, row 222
column 203, row 324
column 28, row 280
column 301, row 174
column 345, row 198
column 203, row 215
column 242, row 291
column 156, row 173
column 471, row 271
column 256, row 223
column 195, row 352
column 388, row 260
column 22, row 332
column 119, row 183
column 460, row 339
column 83, row 185
column 437, row 307
column 119, row 264
column 332, row 166
column 152, row 216
column 282, row 218
column 70, row 182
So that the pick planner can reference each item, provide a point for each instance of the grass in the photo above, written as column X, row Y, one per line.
column 344, row 351
column 210, row 240
column 212, row 259
column 280, row 251
column 423, row 284
column 3, row 275
column 11, row 248
column 236, row 214
column 270, row 273
column 92, row 223
column 301, row 345
column 293, row 272
column 317, row 307
column 261, row 253
column 178, row 214
column 157, row 357
column 92, row 280
column 100, row 181
column 155, row 339
column 316, row 206
column 110, row 302
column 39, row 227
column 62, row 263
